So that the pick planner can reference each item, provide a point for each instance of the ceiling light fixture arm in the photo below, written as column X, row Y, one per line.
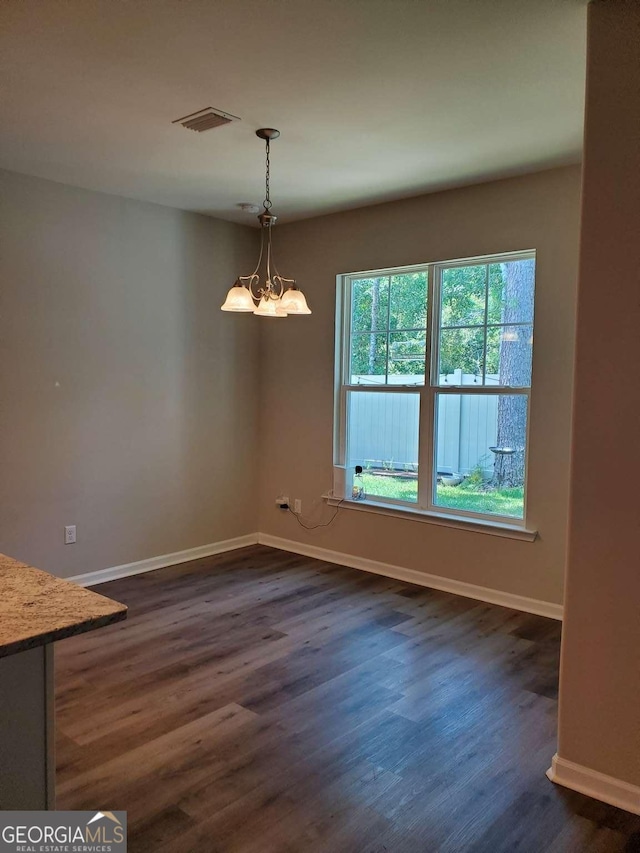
column 282, row 280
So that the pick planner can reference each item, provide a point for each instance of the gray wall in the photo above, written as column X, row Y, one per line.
column 539, row 211
column 599, row 726
column 131, row 404
column 128, row 401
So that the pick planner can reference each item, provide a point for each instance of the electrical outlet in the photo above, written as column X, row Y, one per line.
column 297, row 506
column 70, row 534
column 282, row 500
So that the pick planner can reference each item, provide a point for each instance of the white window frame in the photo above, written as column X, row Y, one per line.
column 427, row 392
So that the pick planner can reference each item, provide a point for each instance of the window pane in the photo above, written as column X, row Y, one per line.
column 463, row 295
column 480, row 453
column 509, row 351
column 368, row 358
column 406, row 357
column 382, row 436
column 461, row 356
column 369, row 304
column 511, row 291
column 409, row 301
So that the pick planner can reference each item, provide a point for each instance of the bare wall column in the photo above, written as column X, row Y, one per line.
column 600, row 677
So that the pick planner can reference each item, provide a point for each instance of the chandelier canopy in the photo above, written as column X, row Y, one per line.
column 271, row 295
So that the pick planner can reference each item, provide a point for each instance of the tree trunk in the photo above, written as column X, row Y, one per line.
column 514, row 370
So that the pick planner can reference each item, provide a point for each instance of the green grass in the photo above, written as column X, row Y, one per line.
column 400, row 488
column 509, row 502
column 497, row 501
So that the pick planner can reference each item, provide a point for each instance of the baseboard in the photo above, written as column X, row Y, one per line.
column 153, row 563
column 468, row 590
column 610, row 790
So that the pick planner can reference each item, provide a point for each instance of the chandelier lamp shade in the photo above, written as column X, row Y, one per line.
column 265, row 292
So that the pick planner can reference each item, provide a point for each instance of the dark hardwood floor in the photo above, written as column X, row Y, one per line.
column 260, row 701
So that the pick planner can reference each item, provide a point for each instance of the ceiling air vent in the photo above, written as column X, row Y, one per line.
column 205, row 119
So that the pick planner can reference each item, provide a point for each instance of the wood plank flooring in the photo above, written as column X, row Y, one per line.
column 259, row 701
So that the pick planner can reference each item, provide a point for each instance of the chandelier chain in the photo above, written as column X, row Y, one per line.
column 267, row 201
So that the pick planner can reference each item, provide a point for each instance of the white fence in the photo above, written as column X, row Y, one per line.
column 383, row 429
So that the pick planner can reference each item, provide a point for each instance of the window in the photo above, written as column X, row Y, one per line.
column 433, row 386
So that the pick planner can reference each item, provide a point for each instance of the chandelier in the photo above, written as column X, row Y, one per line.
column 276, row 296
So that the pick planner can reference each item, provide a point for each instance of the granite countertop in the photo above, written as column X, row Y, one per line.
column 37, row 608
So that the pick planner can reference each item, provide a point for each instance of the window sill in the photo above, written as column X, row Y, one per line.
column 474, row 525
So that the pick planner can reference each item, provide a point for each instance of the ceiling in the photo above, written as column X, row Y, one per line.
column 375, row 99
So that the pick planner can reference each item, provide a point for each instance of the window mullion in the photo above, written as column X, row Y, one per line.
column 425, row 428
column 379, row 388
column 486, row 320
column 344, row 335
column 386, row 364
column 482, row 390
